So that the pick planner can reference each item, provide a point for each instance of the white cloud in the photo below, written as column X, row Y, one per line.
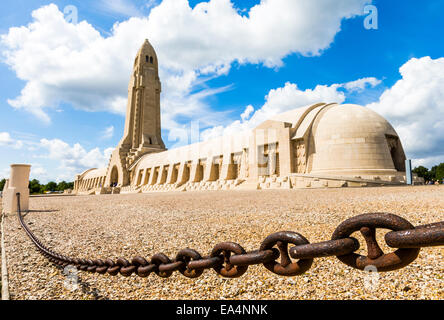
column 361, row 84
column 248, row 111
column 4, row 174
column 278, row 101
column 428, row 162
column 6, row 140
column 214, row 34
column 40, row 173
column 414, row 105
column 56, row 160
column 73, row 159
column 73, row 63
column 108, row 133
column 38, row 170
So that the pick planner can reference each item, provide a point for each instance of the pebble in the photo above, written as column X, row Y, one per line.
column 112, row 226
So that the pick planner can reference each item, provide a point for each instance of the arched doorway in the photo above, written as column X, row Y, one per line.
column 114, row 176
column 396, row 152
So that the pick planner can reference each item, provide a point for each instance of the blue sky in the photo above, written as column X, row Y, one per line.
column 228, row 65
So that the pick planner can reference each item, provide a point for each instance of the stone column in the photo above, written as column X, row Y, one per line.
column 210, row 170
column 153, row 177
column 183, row 175
column 194, row 171
column 162, row 175
column 18, row 183
column 228, row 165
column 171, row 177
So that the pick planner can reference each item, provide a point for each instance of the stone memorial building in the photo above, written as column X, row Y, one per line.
column 321, row 145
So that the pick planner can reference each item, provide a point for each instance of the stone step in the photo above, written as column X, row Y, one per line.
column 248, row 185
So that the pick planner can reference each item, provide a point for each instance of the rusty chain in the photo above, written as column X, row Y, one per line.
column 230, row 260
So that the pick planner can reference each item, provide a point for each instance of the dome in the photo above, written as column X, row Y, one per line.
column 352, row 140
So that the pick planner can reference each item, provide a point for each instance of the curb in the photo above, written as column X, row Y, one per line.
column 5, row 283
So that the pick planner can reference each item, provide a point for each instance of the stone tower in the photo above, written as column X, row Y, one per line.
column 142, row 132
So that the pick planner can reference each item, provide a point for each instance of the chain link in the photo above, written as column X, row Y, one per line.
column 230, row 260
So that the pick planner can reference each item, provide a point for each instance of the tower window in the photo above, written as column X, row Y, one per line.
column 151, row 59
column 146, row 57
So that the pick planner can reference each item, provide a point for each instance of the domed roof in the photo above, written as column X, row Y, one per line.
column 295, row 116
column 348, row 118
column 354, row 139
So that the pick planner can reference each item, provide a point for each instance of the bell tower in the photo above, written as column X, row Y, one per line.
column 142, row 132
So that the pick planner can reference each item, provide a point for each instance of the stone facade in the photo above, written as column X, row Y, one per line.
column 316, row 146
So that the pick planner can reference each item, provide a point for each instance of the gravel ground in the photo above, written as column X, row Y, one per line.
column 142, row 224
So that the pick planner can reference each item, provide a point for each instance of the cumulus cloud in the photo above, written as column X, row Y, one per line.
column 414, row 105
column 6, row 140
column 61, row 161
column 73, row 159
column 214, row 34
column 63, row 62
column 75, row 64
column 39, row 172
column 278, row 101
column 428, row 162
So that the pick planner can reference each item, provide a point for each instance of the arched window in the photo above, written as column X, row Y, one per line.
column 146, row 57
column 151, row 59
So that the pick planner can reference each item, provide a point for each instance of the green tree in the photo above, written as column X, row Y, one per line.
column 440, row 171
column 2, row 184
column 62, row 186
column 422, row 172
column 51, row 186
column 42, row 188
column 433, row 172
column 34, row 186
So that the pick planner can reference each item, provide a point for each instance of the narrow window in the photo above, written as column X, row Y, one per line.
column 151, row 59
column 146, row 57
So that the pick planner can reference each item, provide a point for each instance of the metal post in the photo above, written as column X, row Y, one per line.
column 408, row 172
